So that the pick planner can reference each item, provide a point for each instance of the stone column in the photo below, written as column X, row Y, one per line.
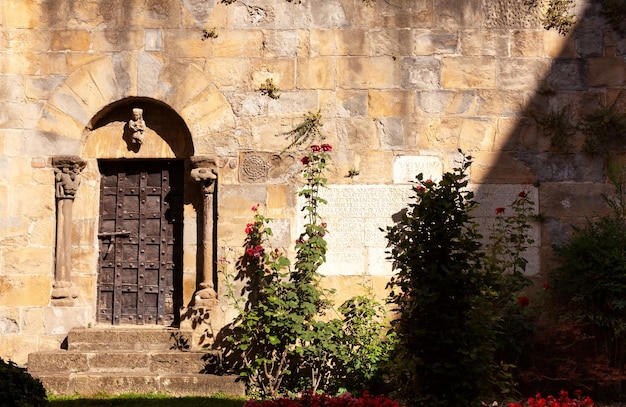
column 204, row 171
column 67, row 179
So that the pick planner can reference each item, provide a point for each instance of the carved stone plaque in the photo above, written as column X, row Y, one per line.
column 354, row 215
column 260, row 167
column 406, row 168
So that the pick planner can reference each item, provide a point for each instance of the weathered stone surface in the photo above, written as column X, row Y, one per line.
column 73, row 40
column 568, row 74
column 477, row 134
column 359, row 72
column 421, row 73
column 113, row 39
column 60, row 320
column 468, row 72
column 316, row 73
column 17, row 347
column 25, row 290
column 559, row 46
column 590, row 42
column 9, row 324
column 352, row 103
column 281, row 71
column 357, row 133
column 499, row 168
column 607, row 72
column 391, row 133
column 484, row 42
column 19, row 116
column 392, row 42
column 527, row 43
column 27, row 260
column 433, row 43
column 510, row 14
column 569, row 200
column 394, row 103
column 490, row 102
column 522, row 73
column 330, row 14
column 458, row 13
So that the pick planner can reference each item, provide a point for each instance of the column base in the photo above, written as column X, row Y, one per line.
column 63, row 294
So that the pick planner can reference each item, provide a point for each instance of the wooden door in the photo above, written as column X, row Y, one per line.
column 140, row 236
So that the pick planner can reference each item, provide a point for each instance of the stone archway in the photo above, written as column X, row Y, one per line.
column 89, row 115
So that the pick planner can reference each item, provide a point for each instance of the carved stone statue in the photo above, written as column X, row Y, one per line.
column 137, row 126
column 67, row 181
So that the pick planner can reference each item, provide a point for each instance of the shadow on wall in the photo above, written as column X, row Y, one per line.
column 584, row 76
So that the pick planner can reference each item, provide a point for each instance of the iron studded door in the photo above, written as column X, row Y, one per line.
column 140, row 235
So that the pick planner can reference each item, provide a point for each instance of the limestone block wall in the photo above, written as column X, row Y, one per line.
column 401, row 86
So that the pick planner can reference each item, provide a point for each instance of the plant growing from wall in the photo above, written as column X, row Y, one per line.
column 269, row 88
column 210, row 33
column 305, row 132
column 558, row 16
column 558, row 125
column 604, row 130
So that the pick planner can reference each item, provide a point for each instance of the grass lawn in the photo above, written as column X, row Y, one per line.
column 142, row 400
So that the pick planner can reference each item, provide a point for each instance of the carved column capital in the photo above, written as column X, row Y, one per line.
column 67, row 171
column 205, row 171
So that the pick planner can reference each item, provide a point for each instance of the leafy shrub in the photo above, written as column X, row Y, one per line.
column 447, row 324
column 278, row 333
column 463, row 317
column 590, row 287
column 362, row 346
column 284, row 339
column 18, row 388
column 310, row 399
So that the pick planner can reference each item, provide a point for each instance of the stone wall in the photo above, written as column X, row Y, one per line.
column 400, row 85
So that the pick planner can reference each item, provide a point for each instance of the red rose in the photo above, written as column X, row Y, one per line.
column 249, row 228
column 326, row 147
column 305, row 160
column 499, row 211
column 523, row 301
column 522, row 194
column 316, row 148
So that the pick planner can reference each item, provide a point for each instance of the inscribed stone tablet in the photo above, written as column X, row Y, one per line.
column 354, row 215
column 406, row 168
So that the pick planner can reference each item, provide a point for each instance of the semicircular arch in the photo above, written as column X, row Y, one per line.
column 99, row 91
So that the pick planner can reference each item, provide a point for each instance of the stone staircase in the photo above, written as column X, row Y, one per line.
column 115, row 360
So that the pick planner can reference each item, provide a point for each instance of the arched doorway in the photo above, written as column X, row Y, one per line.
column 141, row 201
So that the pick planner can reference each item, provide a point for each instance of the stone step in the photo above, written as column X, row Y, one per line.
column 176, row 384
column 135, row 338
column 155, row 362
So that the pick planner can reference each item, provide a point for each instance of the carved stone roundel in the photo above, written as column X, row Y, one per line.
column 254, row 167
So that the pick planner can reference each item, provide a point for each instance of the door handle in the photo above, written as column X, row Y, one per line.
column 109, row 235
